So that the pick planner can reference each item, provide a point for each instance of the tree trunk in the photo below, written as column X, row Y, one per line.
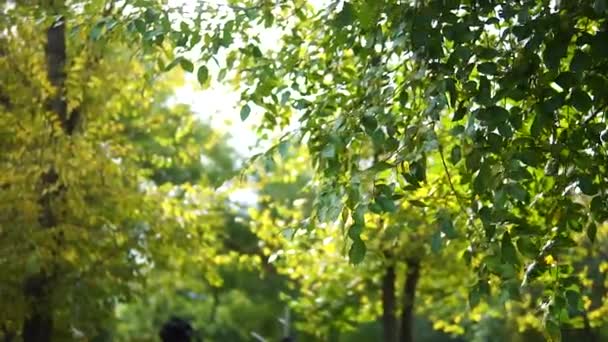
column 38, row 326
column 588, row 331
column 389, row 321
column 409, row 296
column 7, row 333
column 214, row 305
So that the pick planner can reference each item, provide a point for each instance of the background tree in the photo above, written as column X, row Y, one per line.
column 467, row 134
column 81, row 221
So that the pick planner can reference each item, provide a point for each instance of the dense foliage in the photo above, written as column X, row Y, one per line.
column 434, row 166
column 497, row 107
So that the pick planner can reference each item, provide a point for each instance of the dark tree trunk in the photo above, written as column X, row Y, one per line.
column 7, row 334
column 389, row 321
column 38, row 326
column 588, row 330
column 409, row 296
column 214, row 305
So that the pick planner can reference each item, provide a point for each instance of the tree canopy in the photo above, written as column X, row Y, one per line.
column 432, row 163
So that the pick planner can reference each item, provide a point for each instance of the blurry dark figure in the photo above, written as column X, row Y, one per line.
column 176, row 330
column 288, row 339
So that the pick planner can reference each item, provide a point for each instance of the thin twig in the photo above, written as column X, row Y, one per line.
column 241, row 8
column 449, row 177
column 593, row 115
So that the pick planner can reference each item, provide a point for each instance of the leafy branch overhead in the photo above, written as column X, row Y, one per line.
column 514, row 90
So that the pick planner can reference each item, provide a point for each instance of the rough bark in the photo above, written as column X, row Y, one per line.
column 38, row 326
column 588, row 330
column 214, row 305
column 7, row 333
column 389, row 320
column 409, row 296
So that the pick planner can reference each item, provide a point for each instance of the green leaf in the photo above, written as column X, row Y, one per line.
column 488, row 53
column 403, row 97
column 599, row 46
column 183, row 26
column 508, row 252
column 375, row 208
column 478, row 291
column 460, row 33
column 459, row 114
column 457, row 130
column 585, row 183
column 580, row 62
column 226, row 39
column 455, row 154
column 527, row 247
column 268, row 19
column 592, row 231
column 597, row 206
column 245, row 111
column 473, row 160
column 140, row 25
column 32, row 265
column 581, row 100
column 202, row 75
column 488, row 68
column 553, row 330
column 283, row 148
column 517, row 191
column 345, row 16
column 369, row 122
column 367, row 13
column 484, row 94
column 255, row 51
column 505, row 130
column 418, row 170
column 97, row 30
column 387, row 204
column 285, row 97
column 173, row 63
column 462, row 52
column 150, row 15
column 564, row 242
column 493, row 114
column 329, row 151
column 359, row 215
column 195, row 38
column 470, row 86
column 446, row 225
column 552, row 167
column 538, row 124
column 381, row 166
column 222, row 74
column 357, row 251
column 566, row 80
column 599, row 6
column 418, row 203
column 573, row 297
column 186, row 64
column 450, row 87
column 379, row 139
column 355, row 230
column 484, row 178
column 530, row 156
column 474, row 297
column 554, row 52
column 436, row 242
